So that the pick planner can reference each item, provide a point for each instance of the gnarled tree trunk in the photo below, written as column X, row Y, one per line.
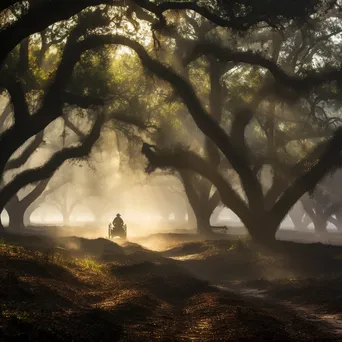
column 202, row 205
column 17, row 208
column 15, row 211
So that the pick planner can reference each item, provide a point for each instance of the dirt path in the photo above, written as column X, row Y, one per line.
column 135, row 294
column 331, row 324
column 304, row 295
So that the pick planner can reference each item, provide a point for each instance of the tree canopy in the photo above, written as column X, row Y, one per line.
column 218, row 92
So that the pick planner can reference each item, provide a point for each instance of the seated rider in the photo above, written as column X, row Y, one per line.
column 118, row 221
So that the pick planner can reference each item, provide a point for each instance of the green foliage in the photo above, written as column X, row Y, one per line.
column 11, row 249
column 243, row 243
column 92, row 76
column 250, row 12
column 89, row 263
column 16, row 249
column 22, row 316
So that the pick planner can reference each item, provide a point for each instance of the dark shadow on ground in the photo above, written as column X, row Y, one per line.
column 131, row 293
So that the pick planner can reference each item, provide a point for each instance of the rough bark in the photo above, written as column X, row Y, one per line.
column 262, row 229
column 17, row 208
column 200, row 207
column 15, row 211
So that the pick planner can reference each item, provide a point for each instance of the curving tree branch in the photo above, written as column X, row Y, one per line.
column 36, row 192
column 82, row 101
column 45, row 13
column 52, row 105
column 205, row 122
column 189, row 161
column 73, row 127
column 39, row 17
column 7, row 3
column 4, row 115
column 329, row 160
column 46, row 170
column 26, row 154
column 297, row 83
column 237, row 15
column 18, row 100
column 214, row 200
column 190, row 189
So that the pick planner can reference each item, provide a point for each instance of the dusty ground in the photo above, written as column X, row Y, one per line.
column 184, row 290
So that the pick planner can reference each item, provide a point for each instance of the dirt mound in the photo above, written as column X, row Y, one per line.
column 137, row 251
column 187, row 249
column 148, row 268
column 100, row 248
column 168, row 281
column 135, row 269
column 165, row 241
column 324, row 293
column 33, row 242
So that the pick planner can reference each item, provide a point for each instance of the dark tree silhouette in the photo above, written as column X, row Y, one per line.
column 238, row 15
column 261, row 213
column 16, row 208
column 28, row 125
column 323, row 203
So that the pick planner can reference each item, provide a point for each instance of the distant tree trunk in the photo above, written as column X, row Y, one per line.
column 199, row 200
column 203, row 223
column 318, row 217
column 66, row 216
column 15, row 210
column 338, row 223
column 320, row 224
column 164, row 213
column 192, row 223
column 216, row 213
column 98, row 213
column 44, row 173
column 261, row 213
column 299, row 217
column 179, row 213
column 198, row 189
column 66, row 211
column 262, row 217
column 320, row 210
column 29, row 211
column 27, row 215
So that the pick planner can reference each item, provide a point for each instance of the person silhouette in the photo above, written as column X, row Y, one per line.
column 118, row 221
